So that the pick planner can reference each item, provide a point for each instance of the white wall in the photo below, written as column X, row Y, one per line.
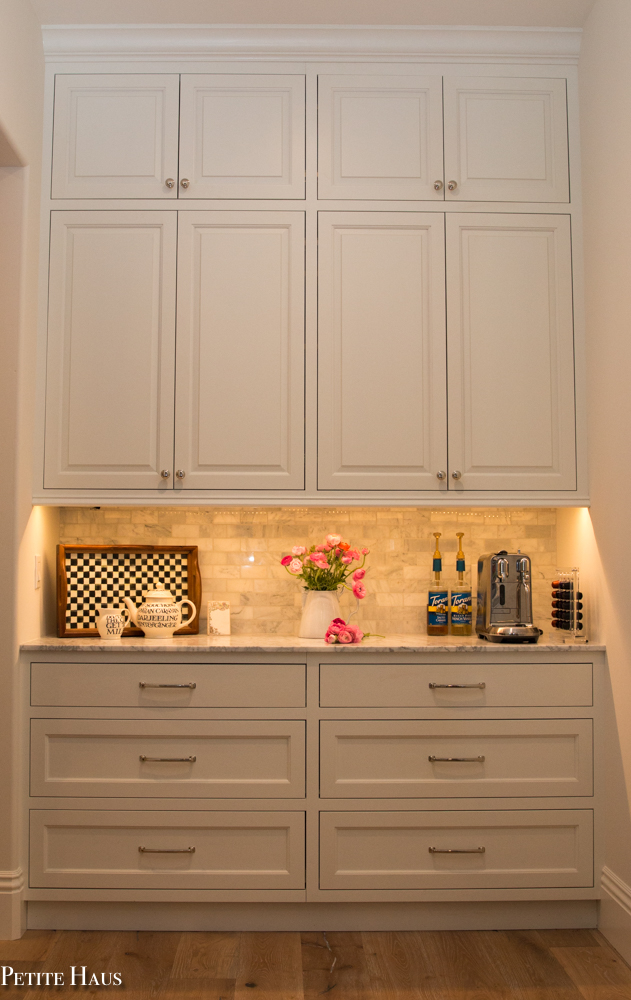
column 605, row 95
column 21, row 102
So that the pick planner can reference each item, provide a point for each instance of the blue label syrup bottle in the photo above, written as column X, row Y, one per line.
column 437, row 598
column 461, row 609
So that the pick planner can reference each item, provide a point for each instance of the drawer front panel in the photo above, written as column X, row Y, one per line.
column 83, row 849
column 486, row 685
column 376, row 759
column 127, row 685
column 211, row 759
column 391, row 850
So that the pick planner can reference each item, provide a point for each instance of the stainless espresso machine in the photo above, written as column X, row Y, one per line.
column 505, row 598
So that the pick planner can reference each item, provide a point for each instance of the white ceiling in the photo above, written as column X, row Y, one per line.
column 528, row 13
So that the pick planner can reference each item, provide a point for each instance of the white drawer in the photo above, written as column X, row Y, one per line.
column 486, row 685
column 391, row 850
column 96, row 757
column 83, row 849
column 197, row 685
column 377, row 759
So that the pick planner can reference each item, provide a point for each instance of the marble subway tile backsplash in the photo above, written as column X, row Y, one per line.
column 240, row 551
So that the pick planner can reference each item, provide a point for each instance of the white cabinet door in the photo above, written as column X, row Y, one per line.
column 240, row 350
column 505, row 139
column 380, row 137
column 242, row 136
column 116, row 136
column 111, row 350
column 381, row 348
column 510, row 352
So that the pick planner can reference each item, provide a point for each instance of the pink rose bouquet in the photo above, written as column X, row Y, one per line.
column 328, row 566
column 345, row 633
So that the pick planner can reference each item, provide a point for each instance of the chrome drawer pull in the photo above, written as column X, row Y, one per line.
column 178, row 760
column 170, row 850
column 477, row 760
column 143, row 684
column 457, row 850
column 481, row 686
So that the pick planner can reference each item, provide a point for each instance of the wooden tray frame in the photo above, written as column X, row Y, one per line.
column 194, row 586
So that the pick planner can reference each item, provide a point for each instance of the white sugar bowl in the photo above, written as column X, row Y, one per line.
column 160, row 615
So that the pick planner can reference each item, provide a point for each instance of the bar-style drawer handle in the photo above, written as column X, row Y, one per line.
column 477, row 760
column 178, row 760
column 481, row 686
column 143, row 684
column 457, row 850
column 169, row 850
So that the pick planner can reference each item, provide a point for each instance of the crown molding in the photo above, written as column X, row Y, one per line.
column 182, row 43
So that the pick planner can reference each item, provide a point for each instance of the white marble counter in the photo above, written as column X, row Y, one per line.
column 291, row 644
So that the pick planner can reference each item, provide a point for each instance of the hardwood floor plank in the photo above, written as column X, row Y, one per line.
column 198, row 988
column 207, row 955
column 335, row 963
column 579, row 938
column 598, row 972
column 271, row 965
column 455, row 967
column 529, row 969
column 34, row 946
column 399, row 966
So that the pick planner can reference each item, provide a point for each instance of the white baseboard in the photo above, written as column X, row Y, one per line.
column 615, row 912
column 529, row 915
column 12, row 905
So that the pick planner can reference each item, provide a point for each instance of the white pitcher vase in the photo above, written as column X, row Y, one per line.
column 319, row 608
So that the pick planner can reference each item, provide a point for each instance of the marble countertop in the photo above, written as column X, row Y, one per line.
column 291, row 644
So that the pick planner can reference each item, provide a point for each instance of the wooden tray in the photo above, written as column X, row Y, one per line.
column 89, row 576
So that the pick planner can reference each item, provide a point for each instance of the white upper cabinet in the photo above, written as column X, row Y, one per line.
column 380, row 137
column 111, row 344
column 505, row 139
column 242, row 136
column 510, row 352
column 240, row 350
column 116, row 136
column 381, row 349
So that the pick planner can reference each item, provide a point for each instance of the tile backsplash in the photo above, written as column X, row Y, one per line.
column 240, row 550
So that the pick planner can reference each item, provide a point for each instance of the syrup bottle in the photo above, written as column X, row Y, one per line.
column 461, row 613
column 437, row 598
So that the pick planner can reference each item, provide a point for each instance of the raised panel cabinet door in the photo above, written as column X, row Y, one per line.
column 242, row 136
column 111, row 350
column 116, row 136
column 240, row 350
column 505, row 139
column 510, row 345
column 380, row 137
column 381, row 351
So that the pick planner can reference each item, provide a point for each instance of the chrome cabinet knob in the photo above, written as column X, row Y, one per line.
column 456, row 474
column 180, row 473
column 441, row 474
column 185, row 182
column 452, row 185
column 438, row 185
column 165, row 473
column 170, row 183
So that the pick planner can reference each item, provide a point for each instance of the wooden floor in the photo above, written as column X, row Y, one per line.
column 437, row 965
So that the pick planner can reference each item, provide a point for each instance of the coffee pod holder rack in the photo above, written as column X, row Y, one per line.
column 568, row 617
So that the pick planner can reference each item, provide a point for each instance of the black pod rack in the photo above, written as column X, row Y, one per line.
column 567, row 606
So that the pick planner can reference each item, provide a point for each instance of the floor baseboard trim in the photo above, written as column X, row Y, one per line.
column 530, row 915
column 615, row 912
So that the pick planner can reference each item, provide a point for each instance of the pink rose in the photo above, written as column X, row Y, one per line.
column 338, row 621
column 298, row 550
column 359, row 590
column 285, row 561
column 356, row 632
column 295, row 566
column 333, row 540
column 347, row 559
column 359, row 574
column 365, row 552
column 319, row 548
column 345, row 636
column 330, row 638
column 316, row 557
column 335, row 629
column 354, row 553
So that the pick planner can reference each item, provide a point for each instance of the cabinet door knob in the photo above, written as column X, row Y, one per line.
column 438, row 185
column 170, row 183
column 456, row 474
column 180, row 473
column 185, row 182
column 165, row 473
column 452, row 185
column 441, row 474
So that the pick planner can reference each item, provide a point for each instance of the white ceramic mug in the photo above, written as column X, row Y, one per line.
column 111, row 622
